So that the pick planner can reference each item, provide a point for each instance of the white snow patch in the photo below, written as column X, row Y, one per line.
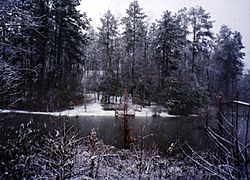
column 92, row 109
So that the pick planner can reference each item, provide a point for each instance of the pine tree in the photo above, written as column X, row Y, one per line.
column 169, row 43
column 229, row 56
column 67, row 35
column 182, row 16
column 108, row 33
column 201, row 26
column 134, row 38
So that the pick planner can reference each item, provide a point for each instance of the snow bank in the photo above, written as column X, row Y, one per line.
column 92, row 109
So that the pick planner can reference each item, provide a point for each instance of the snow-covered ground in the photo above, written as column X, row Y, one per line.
column 91, row 109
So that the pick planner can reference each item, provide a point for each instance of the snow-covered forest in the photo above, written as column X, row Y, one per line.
column 51, row 58
column 48, row 47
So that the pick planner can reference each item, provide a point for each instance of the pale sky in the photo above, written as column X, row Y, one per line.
column 233, row 13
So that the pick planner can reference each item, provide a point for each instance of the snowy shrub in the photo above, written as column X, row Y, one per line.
column 9, row 82
column 17, row 152
column 61, row 154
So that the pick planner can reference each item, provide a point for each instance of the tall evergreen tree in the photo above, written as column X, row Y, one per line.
column 108, row 33
column 201, row 26
column 182, row 16
column 92, row 63
column 169, row 42
column 153, row 73
column 134, row 38
column 67, row 37
column 107, row 36
column 229, row 56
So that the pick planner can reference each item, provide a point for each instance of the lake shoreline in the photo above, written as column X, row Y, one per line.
column 92, row 109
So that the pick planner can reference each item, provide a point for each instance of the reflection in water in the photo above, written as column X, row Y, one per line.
column 163, row 131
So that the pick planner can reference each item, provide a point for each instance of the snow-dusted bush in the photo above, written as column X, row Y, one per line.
column 9, row 81
column 17, row 152
column 61, row 154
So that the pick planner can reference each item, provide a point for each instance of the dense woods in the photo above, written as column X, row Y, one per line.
column 50, row 54
column 41, row 53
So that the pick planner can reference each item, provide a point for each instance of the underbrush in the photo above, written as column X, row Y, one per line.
column 62, row 154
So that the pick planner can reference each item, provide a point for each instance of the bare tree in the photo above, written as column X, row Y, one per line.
column 229, row 159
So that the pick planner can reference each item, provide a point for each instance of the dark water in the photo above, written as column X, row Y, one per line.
column 158, row 132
